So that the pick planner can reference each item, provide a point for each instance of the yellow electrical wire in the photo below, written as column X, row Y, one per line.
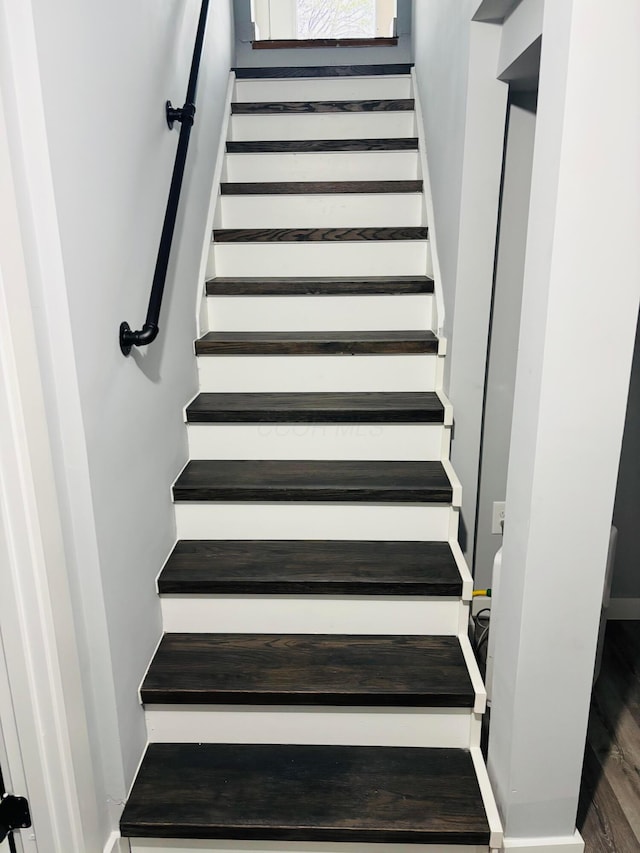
column 484, row 593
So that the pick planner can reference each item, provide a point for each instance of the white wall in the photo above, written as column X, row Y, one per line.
column 505, row 328
column 441, row 32
column 465, row 108
column 564, row 449
column 246, row 57
column 105, row 72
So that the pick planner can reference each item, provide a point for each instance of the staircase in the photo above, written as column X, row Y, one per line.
column 315, row 688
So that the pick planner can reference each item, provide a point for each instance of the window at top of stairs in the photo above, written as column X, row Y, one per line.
column 310, row 20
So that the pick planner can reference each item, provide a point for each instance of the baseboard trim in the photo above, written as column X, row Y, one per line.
column 623, row 608
column 565, row 844
column 117, row 844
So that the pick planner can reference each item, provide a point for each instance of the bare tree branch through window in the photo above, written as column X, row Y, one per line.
column 336, row 19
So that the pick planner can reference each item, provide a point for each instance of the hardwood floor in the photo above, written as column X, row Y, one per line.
column 259, row 146
column 309, row 669
column 312, row 480
column 609, row 810
column 286, row 107
column 304, row 793
column 394, row 342
column 318, row 187
column 320, row 71
column 318, row 286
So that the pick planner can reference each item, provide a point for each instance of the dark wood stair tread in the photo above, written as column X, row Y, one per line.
column 276, row 480
column 310, row 567
column 309, row 669
column 318, row 235
column 317, row 407
column 302, row 107
column 311, row 145
column 307, row 793
column 318, row 343
column 322, row 71
column 318, row 286
column 318, row 187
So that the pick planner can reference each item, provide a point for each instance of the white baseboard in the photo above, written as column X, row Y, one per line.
column 623, row 608
column 566, row 844
column 117, row 844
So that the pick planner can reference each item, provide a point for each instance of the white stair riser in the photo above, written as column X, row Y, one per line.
column 350, row 726
column 334, row 210
column 375, row 87
column 318, row 441
column 323, row 166
column 319, row 313
column 290, row 614
column 152, row 845
column 329, row 520
column 243, row 374
column 371, row 125
column 360, row 257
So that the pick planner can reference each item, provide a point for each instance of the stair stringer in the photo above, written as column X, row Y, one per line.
column 205, row 271
column 427, row 196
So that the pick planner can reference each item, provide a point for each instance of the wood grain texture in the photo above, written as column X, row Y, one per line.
column 614, row 742
column 291, row 44
column 309, row 669
column 292, row 107
column 310, row 567
column 322, row 71
column 609, row 815
column 601, row 819
column 306, row 793
column 318, row 235
column 317, row 187
column 305, row 145
column 317, row 407
column 271, row 480
column 622, row 662
column 316, row 286
column 318, row 343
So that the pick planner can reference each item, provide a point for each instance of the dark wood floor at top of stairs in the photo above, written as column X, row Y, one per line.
column 318, row 187
column 309, row 669
column 317, row 407
column 317, row 286
column 323, row 71
column 310, row 567
column 307, row 793
column 292, row 44
column 420, row 342
column 348, row 481
column 300, row 107
column 318, row 235
column 309, row 145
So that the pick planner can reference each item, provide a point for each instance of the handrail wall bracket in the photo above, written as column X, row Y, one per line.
column 185, row 115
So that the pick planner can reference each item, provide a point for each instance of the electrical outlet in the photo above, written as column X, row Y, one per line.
column 497, row 519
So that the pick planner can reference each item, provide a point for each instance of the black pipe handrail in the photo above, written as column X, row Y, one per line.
column 186, row 115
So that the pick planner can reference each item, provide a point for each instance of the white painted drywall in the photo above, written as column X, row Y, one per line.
column 441, row 54
column 246, row 57
column 464, row 108
column 477, row 235
column 626, row 570
column 505, row 328
column 106, row 71
column 564, row 449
